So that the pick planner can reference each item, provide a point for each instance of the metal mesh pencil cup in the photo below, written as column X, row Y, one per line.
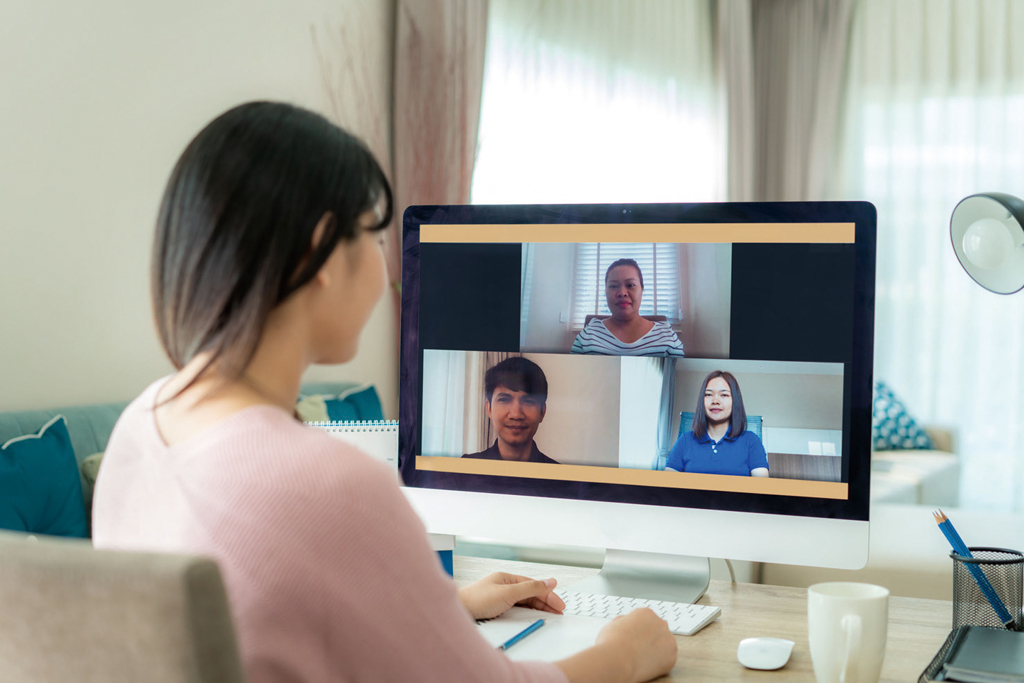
column 1004, row 571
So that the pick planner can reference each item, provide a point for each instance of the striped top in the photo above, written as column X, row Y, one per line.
column 328, row 570
column 595, row 338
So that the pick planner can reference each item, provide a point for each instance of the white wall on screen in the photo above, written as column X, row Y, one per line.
column 785, row 394
column 707, row 289
column 803, row 441
column 547, row 319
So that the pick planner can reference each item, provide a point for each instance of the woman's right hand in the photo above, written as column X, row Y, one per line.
column 632, row 648
column 645, row 636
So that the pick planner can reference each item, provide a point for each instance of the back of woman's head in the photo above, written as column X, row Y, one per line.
column 234, row 235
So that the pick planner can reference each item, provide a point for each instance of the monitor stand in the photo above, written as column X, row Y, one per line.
column 652, row 576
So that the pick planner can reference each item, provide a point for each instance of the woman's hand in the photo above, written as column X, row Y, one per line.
column 632, row 648
column 644, row 636
column 495, row 594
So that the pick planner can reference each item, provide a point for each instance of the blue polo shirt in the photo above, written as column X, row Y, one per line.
column 729, row 456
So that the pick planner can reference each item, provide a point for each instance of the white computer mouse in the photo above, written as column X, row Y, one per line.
column 764, row 653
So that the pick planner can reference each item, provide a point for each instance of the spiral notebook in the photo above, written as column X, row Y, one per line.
column 376, row 438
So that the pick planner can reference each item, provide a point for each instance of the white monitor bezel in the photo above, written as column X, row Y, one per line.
column 533, row 521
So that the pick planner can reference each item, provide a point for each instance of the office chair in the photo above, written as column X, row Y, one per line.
column 686, row 424
column 72, row 613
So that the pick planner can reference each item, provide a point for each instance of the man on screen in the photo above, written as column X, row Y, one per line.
column 516, row 394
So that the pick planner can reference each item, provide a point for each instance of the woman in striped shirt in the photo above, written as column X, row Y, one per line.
column 626, row 332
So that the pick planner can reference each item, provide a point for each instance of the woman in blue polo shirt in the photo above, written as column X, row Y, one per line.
column 719, row 442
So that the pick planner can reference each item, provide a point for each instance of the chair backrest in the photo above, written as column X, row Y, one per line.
column 686, row 423
column 652, row 318
column 72, row 613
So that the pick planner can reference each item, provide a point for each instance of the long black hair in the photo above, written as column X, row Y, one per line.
column 738, row 421
column 235, row 230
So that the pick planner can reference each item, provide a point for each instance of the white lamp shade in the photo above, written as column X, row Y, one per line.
column 987, row 231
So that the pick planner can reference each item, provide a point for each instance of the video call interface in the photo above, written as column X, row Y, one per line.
column 704, row 365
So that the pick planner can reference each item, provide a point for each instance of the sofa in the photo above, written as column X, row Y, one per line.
column 46, row 476
column 918, row 476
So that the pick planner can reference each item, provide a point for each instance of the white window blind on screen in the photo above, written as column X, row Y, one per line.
column 659, row 264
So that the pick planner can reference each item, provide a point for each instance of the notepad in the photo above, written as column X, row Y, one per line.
column 979, row 654
column 563, row 635
column 376, row 438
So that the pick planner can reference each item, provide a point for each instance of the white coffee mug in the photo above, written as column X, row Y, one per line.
column 846, row 626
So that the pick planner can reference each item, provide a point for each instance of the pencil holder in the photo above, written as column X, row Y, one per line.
column 993, row 578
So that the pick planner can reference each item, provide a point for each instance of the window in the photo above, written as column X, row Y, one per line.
column 929, row 122
column 599, row 101
column 659, row 264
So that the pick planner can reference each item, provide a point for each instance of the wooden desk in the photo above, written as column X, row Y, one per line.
column 917, row 627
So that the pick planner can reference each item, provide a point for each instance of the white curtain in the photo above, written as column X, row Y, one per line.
column 526, row 290
column 666, row 412
column 454, row 420
column 935, row 112
column 444, row 403
column 599, row 101
column 800, row 58
column 734, row 61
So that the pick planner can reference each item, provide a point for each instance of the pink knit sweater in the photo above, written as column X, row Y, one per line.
column 327, row 567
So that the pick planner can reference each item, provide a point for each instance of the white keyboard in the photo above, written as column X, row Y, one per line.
column 683, row 619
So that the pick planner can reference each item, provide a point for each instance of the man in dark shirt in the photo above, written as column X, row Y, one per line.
column 516, row 394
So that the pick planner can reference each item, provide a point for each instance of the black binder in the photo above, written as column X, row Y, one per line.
column 979, row 654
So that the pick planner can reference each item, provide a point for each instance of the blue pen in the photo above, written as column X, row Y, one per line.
column 960, row 548
column 522, row 634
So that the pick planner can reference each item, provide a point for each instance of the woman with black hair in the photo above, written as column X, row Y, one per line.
column 265, row 261
column 719, row 442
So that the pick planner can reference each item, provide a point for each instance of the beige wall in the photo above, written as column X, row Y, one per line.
column 98, row 98
column 707, row 294
column 581, row 425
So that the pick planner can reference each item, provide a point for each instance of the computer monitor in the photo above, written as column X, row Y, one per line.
column 779, row 296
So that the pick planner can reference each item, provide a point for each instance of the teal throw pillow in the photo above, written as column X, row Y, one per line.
column 40, row 489
column 361, row 403
column 892, row 427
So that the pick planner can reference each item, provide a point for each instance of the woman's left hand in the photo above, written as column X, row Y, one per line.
column 493, row 595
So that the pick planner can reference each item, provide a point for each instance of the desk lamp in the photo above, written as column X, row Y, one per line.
column 987, row 231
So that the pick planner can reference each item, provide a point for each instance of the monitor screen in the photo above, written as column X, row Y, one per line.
column 658, row 377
